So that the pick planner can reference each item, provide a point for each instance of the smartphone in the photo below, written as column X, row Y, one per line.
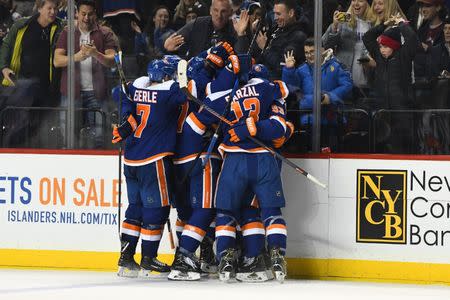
column 343, row 16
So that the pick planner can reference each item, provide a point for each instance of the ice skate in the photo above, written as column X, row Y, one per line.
column 127, row 265
column 185, row 267
column 278, row 264
column 252, row 269
column 208, row 262
column 227, row 265
column 151, row 266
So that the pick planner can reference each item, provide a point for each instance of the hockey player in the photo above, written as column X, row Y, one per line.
column 247, row 167
column 149, row 129
column 274, row 223
column 198, row 189
column 260, row 115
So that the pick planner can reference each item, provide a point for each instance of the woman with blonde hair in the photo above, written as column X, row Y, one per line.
column 383, row 9
column 345, row 34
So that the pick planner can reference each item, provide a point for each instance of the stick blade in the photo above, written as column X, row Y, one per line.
column 316, row 181
column 181, row 72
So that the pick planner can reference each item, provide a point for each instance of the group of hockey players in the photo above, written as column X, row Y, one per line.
column 190, row 144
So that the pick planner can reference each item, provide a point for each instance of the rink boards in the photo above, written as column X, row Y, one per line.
column 381, row 217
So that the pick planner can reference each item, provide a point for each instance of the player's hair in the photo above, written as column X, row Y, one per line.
column 309, row 42
column 290, row 4
column 85, row 2
column 40, row 3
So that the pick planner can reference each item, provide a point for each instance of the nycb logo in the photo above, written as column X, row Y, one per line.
column 381, row 206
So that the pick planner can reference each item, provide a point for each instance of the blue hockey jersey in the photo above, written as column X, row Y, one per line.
column 155, row 108
column 189, row 142
column 260, row 99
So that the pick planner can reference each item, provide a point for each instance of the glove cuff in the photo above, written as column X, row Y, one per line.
column 251, row 126
column 215, row 59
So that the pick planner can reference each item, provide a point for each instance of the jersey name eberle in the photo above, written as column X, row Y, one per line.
column 145, row 96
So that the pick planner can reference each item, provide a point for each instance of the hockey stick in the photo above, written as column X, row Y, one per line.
column 216, row 133
column 183, row 85
column 117, row 59
column 169, row 230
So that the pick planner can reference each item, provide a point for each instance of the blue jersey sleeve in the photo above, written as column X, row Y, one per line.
column 122, row 99
column 176, row 94
column 224, row 80
column 275, row 126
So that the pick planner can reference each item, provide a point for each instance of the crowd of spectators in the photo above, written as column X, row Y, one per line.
column 386, row 57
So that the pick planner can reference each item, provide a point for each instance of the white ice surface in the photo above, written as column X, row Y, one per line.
column 84, row 285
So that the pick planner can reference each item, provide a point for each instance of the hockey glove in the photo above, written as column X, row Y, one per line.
column 242, row 130
column 234, row 64
column 279, row 142
column 124, row 130
column 218, row 55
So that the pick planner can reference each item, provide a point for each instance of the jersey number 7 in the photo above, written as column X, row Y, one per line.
column 144, row 111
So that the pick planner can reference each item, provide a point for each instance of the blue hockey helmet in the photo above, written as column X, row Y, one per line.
column 172, row 59
column 259, row 71
column 158, row 69
column 195, row 64
column 245, row 61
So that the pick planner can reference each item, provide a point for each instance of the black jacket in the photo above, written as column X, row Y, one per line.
column 393, row 82
column 281, row 40
column 437, row 60
column 199, row 35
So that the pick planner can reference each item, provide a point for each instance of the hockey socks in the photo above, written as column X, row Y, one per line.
column 225, row 232
column 276, row 231
column 252, row 232
column 151, row 232
column 195, row 230
column 130, row 233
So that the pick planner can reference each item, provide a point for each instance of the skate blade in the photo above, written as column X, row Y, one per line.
column 226, row 276
column 125, row 272
column 180, row 276
column 252, row 277
column 207, row 268
column 151, row 274
column 269, row 274
column 280, row 276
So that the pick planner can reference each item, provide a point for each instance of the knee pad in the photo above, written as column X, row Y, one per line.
column 272, row 215
column 225, row 218
column 248, row 215
column 225, row 224
column 155, row 216
column 134, row 212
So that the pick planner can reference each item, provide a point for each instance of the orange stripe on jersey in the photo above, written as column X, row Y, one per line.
column 192, row 88
column 131, row 227
column 207, row 185
column 283, row 89
column 227, row 228
column 151, row 232
column 195, row 229
column 253, row 225
column 146, row 160
column 162, row 183
column 196, row 121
